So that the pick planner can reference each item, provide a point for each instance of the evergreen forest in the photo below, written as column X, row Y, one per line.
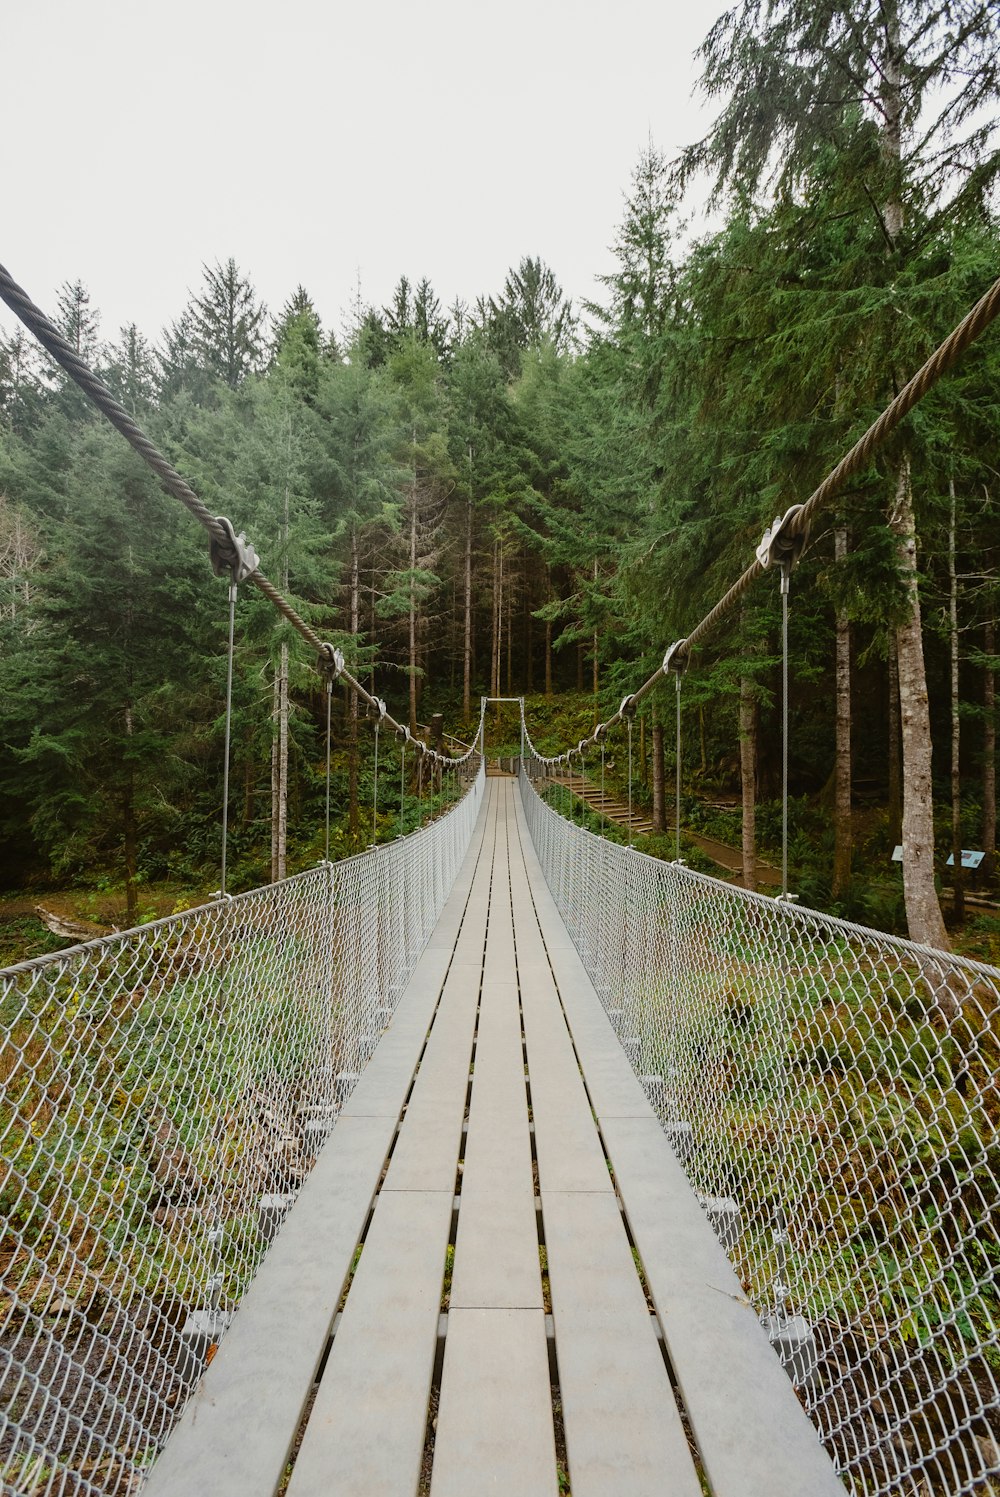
column 528, row 496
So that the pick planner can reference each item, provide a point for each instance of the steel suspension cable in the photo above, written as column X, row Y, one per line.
column 229, row 553
column 794, row 527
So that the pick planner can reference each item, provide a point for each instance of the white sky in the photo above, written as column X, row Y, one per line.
column 314, row 142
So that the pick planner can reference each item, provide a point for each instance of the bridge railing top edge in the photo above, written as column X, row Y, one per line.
column 83, row 949
column 798, row 915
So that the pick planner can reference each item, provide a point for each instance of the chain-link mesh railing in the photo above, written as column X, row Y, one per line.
column 164, row 1094
column 834, row 1097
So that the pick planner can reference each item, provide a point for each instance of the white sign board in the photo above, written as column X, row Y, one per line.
column 969, row 859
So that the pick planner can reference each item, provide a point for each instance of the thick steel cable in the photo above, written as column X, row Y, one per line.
column 66, row 356
column 941, row 360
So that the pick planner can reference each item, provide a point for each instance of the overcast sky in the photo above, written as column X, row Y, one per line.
column 317, row 143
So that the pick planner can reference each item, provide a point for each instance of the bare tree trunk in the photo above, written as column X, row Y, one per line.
column 510, row 639
column 702, row 742
column 748, row 776
column 924, row 920
column 371, row 634
column 283, row 765
column 497, row 616
column 413, row 606
column 529, row 642
column 659, row 780
column 548, row 639
column 352, row 703
column 895, row 748
column 279, row 767
column 279, row 729
column 989, row 752
column 958, row 877
column 130, row 834
column 596, row 683
column 275, row 770
column 467, row 644
column 842, row 829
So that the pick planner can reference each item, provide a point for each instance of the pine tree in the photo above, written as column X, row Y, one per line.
column 77, row 321
column 849, row 84
column 226, row 324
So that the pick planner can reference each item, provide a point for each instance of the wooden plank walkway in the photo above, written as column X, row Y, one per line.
column 495, row 1176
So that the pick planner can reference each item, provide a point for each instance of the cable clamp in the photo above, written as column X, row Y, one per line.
column 233, row 557
column 331, row 662
column 627, row 709
column 781, row 545
column 581, row 746
column 403, row 734
column 601, row 733
column 675, row 659
column 785, row 898
column 381, row 709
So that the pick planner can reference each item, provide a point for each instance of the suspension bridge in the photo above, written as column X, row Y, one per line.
column 500, row 1156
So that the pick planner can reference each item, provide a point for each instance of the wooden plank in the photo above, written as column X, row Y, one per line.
column 567, row 1146
column 624, row 1436
column 427, row 1150
column 365, row 1435
column 496, row 1250
column 366, row 1431
column 237, row 1430
column 754, row 1437
column 494, row 1431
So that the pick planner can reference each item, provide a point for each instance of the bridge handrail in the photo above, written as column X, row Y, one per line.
column 165, row 1092
column 833, row 1094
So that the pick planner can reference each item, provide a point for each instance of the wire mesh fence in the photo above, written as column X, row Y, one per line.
column 834, row 1097
column 164, row 1094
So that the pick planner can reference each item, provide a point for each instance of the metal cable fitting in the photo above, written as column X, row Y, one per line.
column 676, row 659
column 233, row 556
column 330, row 662
column 783, row 542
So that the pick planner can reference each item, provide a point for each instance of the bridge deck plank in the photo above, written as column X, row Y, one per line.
column 500, row 957
column 495, row 1377
column 753, row 1436
column 365, row 1434
column 623, row 1430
